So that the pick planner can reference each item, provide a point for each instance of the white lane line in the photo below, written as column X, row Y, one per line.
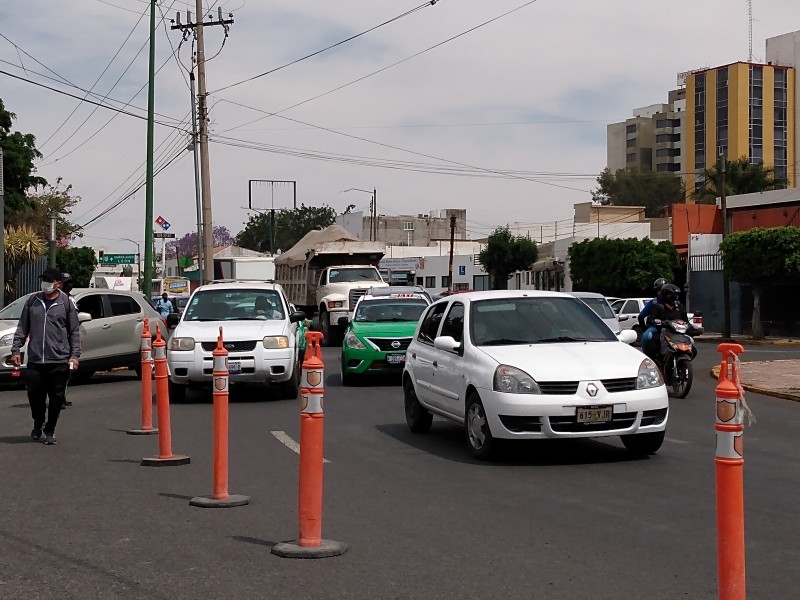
column 290, row 443
column 675, row 441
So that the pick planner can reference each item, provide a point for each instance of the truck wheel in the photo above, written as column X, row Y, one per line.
column 331, row 333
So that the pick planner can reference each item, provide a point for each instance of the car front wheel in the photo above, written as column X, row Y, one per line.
column 177, row 393
column 643, row 444
column 480, row 441
column 417, row 416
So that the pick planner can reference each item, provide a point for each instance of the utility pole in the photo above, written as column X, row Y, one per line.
column 202, row 97
column 452, row 243
column 148, row 203
column 726, row 285
column 52, row 244
column 197, row 196
column 375, row 212
column 2, row 235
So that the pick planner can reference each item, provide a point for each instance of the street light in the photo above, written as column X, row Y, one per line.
column 138, row 261
column 373, row 211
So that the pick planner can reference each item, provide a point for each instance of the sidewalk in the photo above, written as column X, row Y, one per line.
column 778, row 378
column 716, row 338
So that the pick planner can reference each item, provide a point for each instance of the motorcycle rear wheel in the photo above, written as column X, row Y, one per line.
column 682, row 379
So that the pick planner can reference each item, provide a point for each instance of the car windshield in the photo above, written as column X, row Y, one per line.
column 235, row 305
column 529, row 320
column 14, row 310
column 351, row 275
column 600, row 306
column 389, row 310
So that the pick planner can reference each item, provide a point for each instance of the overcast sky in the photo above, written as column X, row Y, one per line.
column 530, row 92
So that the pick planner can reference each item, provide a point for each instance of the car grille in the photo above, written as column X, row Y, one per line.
column 385, row 344
column 625, row 384
column 355, row 294
column 245, row 346
column 558, row 387
column 569, row 424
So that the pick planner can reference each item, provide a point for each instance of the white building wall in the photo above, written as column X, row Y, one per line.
column 785, row 50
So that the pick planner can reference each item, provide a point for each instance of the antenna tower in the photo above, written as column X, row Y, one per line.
column 750, row 30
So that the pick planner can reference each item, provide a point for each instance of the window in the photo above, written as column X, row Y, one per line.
column 446, row 281
column 630, row 129
column 454, row 323
column 408, row 226
column 630, row 158
column 420, row 281
column 123, row 305
column 630, row 143
column 663, row 138
column 527, row 277
column 430, row 323
column 92, row 304
column 631, row 307
column 430, row 281
column 662, row 123
column 480, row 282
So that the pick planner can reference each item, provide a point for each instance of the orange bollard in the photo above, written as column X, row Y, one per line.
column 729, row 475
column 165, row 457
column 220, row 497
column 147, row 385
column 310, row 543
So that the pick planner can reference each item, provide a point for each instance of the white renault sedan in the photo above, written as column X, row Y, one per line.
column 530, row 365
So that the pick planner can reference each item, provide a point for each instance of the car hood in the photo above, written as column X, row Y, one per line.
column 7, row 324
column 208, row 331
column 570, row 361
column 388, row 329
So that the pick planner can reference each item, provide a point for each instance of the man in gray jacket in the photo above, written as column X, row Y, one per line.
column 49, row 322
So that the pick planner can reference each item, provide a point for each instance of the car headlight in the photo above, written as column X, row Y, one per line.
column 336, row 304
column 7, row 339
column 514, row 381
column 351, row 341
column 181, row 343
column 648, row 376
column 273, row 342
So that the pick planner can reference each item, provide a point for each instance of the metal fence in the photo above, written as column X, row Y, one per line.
column 705, row 262
column 28, row 278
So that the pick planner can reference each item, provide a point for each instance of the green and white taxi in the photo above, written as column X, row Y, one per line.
column 380, row 331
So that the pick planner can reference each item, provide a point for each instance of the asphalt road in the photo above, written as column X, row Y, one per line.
column 551, row 520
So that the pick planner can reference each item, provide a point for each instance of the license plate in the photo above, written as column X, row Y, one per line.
column 595, row 414
column 234, row 366
column 395, row 359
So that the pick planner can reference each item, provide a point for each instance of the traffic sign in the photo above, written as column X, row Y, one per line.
column 159, row 234
column 118, row 259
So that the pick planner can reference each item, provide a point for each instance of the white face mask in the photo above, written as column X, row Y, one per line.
column 48, row 287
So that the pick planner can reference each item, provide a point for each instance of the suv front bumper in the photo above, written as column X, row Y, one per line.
column 257, row 366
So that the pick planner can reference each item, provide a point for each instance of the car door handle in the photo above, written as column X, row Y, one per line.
column 413, row 355
column 106, row 326
column 435, row 364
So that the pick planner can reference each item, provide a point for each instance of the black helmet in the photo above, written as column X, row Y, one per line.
column 669, row 293
column 66, row 282
column 659, row 283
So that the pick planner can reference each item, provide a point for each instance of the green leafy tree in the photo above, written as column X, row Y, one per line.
column 505, row 254
column 760, row 257
column 19, row 154
column 289, row 227
column 80, row 263
column 639, row 187
column 55, row 200
column 21, row 245
column 741, row 177
column 620, row 267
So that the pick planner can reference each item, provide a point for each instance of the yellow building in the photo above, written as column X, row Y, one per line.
column 741, row 109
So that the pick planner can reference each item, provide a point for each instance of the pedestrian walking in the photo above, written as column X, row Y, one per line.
column 49, row 322
column 164, row 305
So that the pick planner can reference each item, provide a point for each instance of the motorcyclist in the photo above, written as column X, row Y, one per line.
column 667, row 309
column 647, row 336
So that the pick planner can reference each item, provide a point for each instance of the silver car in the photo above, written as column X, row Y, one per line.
column 111, row 329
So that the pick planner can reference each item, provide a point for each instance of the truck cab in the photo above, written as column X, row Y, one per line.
column 338, row 290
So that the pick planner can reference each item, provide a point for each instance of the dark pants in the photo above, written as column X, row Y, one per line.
column 43, row 380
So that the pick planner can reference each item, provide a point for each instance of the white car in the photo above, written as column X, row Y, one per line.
column 258, row 329
column 628, row 309
column 599, row 304
column 529, row 365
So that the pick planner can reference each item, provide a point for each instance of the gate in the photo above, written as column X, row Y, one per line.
column 705, row 293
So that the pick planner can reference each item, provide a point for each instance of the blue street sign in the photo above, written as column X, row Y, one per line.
column 462, row 269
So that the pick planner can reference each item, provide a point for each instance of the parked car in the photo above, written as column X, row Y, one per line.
column 599, row 304
column 528, row 365
column 628, row 309
column 262, row 345
column 111, row 330
column 377, row 337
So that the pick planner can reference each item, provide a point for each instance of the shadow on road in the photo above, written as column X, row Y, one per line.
column 335, row 380
column 446, row 440
column 176, row 496
column 16, row 439
column 252, row 540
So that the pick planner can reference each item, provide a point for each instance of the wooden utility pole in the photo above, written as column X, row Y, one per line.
column 726, row 285
column 147, row 281
column 202, row 101
column 452, row 243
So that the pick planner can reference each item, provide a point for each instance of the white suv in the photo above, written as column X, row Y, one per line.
column 258, row 330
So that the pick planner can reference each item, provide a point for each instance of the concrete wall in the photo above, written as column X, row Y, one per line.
column 785, row 50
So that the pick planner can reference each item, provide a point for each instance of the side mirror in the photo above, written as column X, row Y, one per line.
column 627, row 336
column 297, row 316
column 446, row 343
column 343, row 321
column 173, row 319
column 83, row 317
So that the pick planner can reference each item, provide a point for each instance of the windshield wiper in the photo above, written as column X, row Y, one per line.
column 566, row 338
column 503, row 342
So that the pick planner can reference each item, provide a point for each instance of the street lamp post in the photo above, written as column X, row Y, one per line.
column 138, row 261
column 373, row 211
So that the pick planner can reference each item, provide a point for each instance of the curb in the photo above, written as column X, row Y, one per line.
column 747, row 342
column 759, row 390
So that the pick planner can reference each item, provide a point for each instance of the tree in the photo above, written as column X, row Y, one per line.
column 19, row 153
column 741, row 177
column 56, row 200
column 187, row 245
column 290, row 226
column 637, row 187
column 505, row 254
column 21, row 245
column 80, row 263
column 760, row 257
column 620, row 267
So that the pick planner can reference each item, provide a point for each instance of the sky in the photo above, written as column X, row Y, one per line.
column 498, row 107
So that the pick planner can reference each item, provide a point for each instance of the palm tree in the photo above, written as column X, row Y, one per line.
column 741, row 177
column 21, row 245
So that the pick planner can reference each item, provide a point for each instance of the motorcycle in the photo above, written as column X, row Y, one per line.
column 676, row 365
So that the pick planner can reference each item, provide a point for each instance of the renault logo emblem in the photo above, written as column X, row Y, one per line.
column 591, row 389
column 395, row 344
column 229, row 346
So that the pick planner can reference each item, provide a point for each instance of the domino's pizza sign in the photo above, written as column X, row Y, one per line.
column 163, row 223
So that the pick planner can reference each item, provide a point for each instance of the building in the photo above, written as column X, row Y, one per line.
column 785, row 50
column 406, row 230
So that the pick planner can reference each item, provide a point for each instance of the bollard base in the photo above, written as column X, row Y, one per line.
column 172, row 461
column 141, row 431
column 326, row 549
column 229, row 502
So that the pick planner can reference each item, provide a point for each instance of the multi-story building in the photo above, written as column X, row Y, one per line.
column 406, row 230
column 740, row 109
column 785, row 50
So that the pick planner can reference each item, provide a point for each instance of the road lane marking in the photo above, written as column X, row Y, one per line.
column 290, row 443
column 675, row 441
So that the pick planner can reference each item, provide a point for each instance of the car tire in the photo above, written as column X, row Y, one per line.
column 290, row 389
column 347, row 378
column 418, row 417
column 177, row 393
column 331, row 334
column 643, row 444
column 480, row 441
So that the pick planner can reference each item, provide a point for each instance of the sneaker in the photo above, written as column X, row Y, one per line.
column 36, row 434
column 66, row 404
column 49, row 439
